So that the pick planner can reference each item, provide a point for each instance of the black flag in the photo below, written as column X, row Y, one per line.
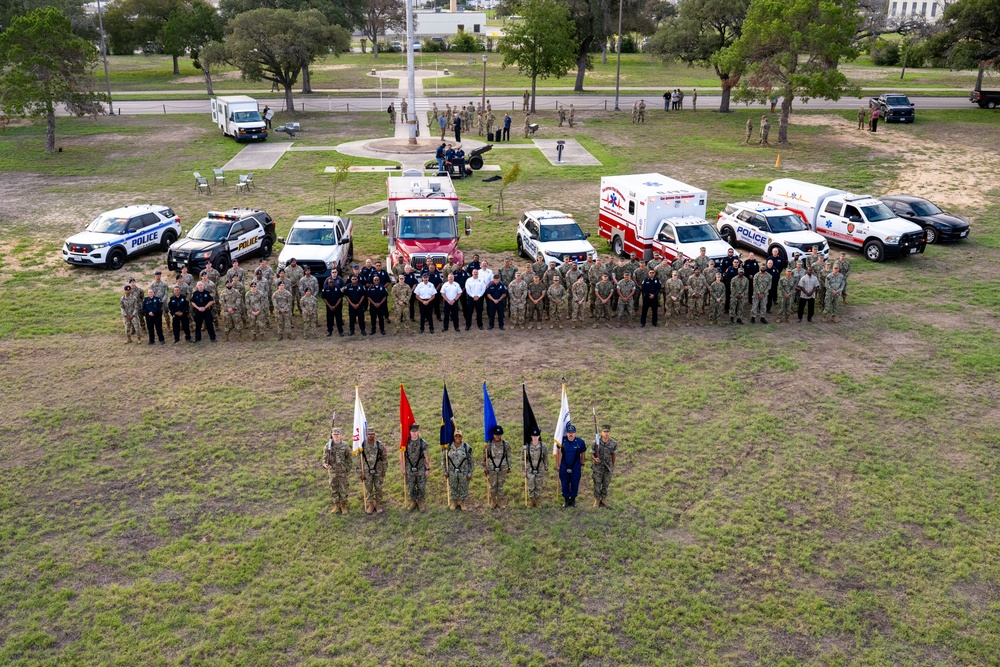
column 527, row 417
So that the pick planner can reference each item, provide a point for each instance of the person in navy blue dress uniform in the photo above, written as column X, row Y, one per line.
column 570, row 459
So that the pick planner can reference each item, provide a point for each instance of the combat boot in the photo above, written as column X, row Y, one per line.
column 822, row 318
column 378, row 508
column 597, row 502
column 128, row 339
column 422, row 505
column 335, row 509
column 604, row 502
column 833, row 319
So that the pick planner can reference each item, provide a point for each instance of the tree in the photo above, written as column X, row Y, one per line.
column 42, row 64
column 702, row 29
column 971, row 36
column 510, row 177
column 345, row 13
column 190, row 27
column 595, row 21
column 379, row 16
column 275, row 44
column 338, row 177
column 140, row 23
column 793, row 47
column 210, row 56
column 542, row 44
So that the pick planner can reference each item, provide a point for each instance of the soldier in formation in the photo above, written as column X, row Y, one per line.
column 373, row 460
column 603, row 457
column 283, row 303
column 337, row 461
column 458, row 468
column 496, row 466
column 415, row 464
column 130, row 305
column 535, row 462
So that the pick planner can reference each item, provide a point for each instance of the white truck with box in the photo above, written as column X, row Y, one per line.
column 238, row 116
column 422, row 222
column 632, row 208
column 856, row 221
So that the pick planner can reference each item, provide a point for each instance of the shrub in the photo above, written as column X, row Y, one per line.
column 885, row 54
column 465, row 42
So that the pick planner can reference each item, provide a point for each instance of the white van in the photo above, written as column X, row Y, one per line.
column 238, row 116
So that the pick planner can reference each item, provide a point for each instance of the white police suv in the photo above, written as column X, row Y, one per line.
column 116, row 235
column 763, row 227
column 552, row 236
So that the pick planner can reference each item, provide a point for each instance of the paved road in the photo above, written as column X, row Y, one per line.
column 504, row 103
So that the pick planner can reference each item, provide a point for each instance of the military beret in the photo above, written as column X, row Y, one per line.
column 291, row 260
column 570, row 428
column 536, row 431
column 497, row 430
column 252, row 284
column 281, row 282
column 131, row 280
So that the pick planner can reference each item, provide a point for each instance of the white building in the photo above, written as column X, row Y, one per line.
column 929, row 10
column 440, row 23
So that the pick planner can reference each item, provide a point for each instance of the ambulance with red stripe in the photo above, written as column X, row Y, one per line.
column 651, row 214
column 855, row 221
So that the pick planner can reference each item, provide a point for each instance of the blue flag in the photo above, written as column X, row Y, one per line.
column 447, row 420
column 489, row 418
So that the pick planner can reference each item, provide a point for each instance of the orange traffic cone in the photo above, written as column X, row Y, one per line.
column 777, row 163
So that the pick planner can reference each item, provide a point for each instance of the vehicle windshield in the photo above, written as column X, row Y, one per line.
column 108, row 224
column 925, row 208
column 428, row 227
column 307, row 236
column 897, row 101
column 877, row 213
column 247, row 117
column 210, row 230
column 696, row 233
column 569, row 231
column 786, row 223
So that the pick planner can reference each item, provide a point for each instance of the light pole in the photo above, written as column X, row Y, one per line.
column 104, row 52
column 618, row 73
column 482, row 104
column 411, row 111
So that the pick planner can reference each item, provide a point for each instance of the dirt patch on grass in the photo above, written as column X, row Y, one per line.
column 221, row 76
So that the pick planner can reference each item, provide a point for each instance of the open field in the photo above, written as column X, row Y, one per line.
column 785, row 495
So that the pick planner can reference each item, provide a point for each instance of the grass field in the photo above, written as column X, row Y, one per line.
column 785, row 495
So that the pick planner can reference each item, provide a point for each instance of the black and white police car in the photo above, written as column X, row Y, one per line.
column 221, row 237
column 116, row 235
column 552, row 236
column 763, row 226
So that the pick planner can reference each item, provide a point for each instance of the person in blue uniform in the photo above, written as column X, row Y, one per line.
column 570, row 458
column 357, row 299
column 383, row 275
column 152, row 310
column 474, row 264
column 650, row 297
column 496, row 294
column 178, row 306
column 378, row 306
column 333, row 297
column 201, row 305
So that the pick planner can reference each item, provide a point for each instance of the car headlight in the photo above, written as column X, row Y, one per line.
column 892, row 239
column 98, row 246
column 331, row 265
column 203, row 255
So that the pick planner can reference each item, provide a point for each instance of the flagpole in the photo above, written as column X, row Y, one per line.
column 524, row 463
column 363, row 462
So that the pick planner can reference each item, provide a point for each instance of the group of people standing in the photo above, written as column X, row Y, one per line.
column 673, row 100
column 765, row 129
column 459, row 464
column 455, row 119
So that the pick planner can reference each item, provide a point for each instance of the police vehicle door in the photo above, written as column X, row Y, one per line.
column 141, row 234
column 746, row 230
column 248, row 238
column 667, row 238
column 530, row 237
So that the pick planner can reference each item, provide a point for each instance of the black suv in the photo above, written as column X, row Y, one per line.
column 893, row 107
column 221, row 237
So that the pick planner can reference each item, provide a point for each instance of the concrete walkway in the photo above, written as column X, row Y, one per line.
column 258, row 156
column 574, row 155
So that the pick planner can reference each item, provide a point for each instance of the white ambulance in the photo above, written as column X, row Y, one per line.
column 633, row 207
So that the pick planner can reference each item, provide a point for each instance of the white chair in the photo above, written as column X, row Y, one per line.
column 201, row 184
column 219, row 176
column 243, row 185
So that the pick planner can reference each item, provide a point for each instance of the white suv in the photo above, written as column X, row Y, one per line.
column 552, row 236
column 321, row 242
column 116, row 235
column 763, row 227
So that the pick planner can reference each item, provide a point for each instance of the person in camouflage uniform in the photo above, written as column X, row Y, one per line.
column 579, row 293
column 401, row 294
column 184, row 287
column 459, row 464
column 235, row 273
column 664, row 273
column 603, row 455
column 835, row 284
column 308, row 282
column 685, row 273
column 308, row 305
column 129, row 305
column 231, row 318
column 557, row 295
column 415, row 464
column 373, row 460
column 282, row 301
column 761, row 287
column 337, row 461
column 212, row 288
column 797, row 274
column 535, row 463
column 786, row 291
column 738, row 290
column 517, row 292
column 536, row 297
column 593, row 277
column 507, row 273
column 716, row 299
column 159, row 289
column 496, row 466
column 547, row 277
column 293, row 274
column 539, row 267
column 844, row 266
column 674, row 289
column 821, row 271
column 140, row 296
column 626, row 302
column 697, row 288
column 256, row 303
column 602, row 303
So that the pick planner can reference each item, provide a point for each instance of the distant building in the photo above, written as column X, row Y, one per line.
column 929, row 10
column 439, row 23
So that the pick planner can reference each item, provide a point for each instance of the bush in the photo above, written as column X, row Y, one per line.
column 430, row 46
column 465, row 42
column 917, row 57
column 629, row 44
column 885, row 54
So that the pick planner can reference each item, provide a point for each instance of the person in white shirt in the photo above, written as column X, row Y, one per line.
column 808, row 286
column 450, row 293
column 475, row 288
column 426, row 293
column 486, row 273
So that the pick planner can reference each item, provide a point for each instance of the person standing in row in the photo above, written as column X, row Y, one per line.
column 152, row 310
column 475, row 289
column 378, row 306
column 603, row 457
column 337, row 461
column 458, row 129
column 373, row 460
column 333, row 299
column 496, row 465
column 310, row 308
column 256, row 303
column 458, row 468
column 178, row 307
column 570, row 459
column 761, row 288
column 496, row 296
column 425, row 294
column 650, row 297
column 536, row 463
column 356, row 299
column 807, row 288
column 202, row 303
column 786, row 292
column 415, row 464
column 130, row 307
column 283, row 303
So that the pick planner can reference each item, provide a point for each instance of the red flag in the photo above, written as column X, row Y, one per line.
column 406, row 419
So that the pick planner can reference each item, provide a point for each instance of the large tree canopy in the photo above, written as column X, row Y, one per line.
column 42, row 64
column 541, row 45
column 379, row 16
column 595, row 21
column 971, row 36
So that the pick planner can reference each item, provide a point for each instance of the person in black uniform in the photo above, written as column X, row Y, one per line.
column 202, row 302
column 178, row 307
column 474, row 264
column 751, row 268
column 365, row 276
column 461, row 276
column 378, row 306
column 727, row 261
column 650, row 297
column 728, row 274
column 437, row 279
column 356, row 300
column 496, row 294
column 333, row 297
column 570, row 457
column 152, row 310
column 774, row 271
column 412, row 280
column 383, row 275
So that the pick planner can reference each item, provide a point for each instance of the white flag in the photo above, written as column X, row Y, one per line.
column 561, row 423
column 360, row 424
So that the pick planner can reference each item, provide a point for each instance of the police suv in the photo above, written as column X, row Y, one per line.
column 221, row 237
column 116, row 235
column 764, row 226
column 552, row 236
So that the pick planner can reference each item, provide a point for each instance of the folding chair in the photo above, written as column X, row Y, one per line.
column 219, row 176
column 250, row 182
column 201, row 184
column 244, row 183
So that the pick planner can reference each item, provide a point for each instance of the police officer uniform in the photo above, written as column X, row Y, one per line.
column 573, row 452
column 356, row 300
column 333, row 297
column 495, row 290
column 378, row 295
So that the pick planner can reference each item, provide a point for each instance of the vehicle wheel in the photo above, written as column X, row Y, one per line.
column 729, row 236
column 932, row 235
column 476, row 162
column 874, row 251
column 116, row 259
column 265, row 248
column 222, row 264
column 350, row 252
column 991, row 104
column 167, row 240
column 781, row 253
column 618, row 246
